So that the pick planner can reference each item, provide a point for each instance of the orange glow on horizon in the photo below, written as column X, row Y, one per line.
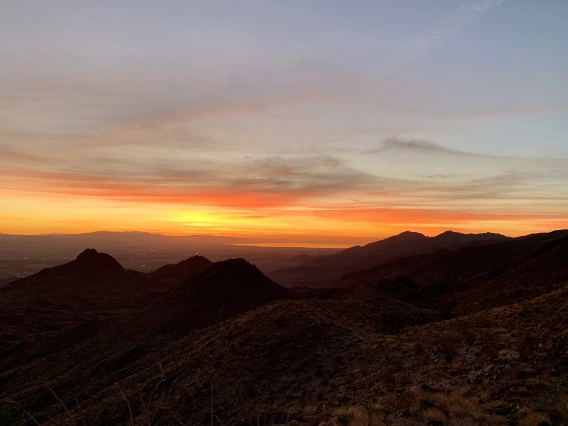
column 324, row 226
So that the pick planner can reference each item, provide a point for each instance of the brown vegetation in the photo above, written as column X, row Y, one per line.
column 375, row 353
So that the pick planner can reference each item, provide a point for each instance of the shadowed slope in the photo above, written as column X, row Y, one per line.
column 94, row 286
column 325, row 271
column 299, row 361
column 400, row 245
column 375, row 343
column 544, row 271
column 93, row 280
column 224, row 290
column 183, row 269
column 454, row 266
column 221, row 291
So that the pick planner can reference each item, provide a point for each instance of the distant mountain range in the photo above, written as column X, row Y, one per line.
column 110, row 239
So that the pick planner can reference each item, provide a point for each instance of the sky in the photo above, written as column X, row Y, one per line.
column 312, row 121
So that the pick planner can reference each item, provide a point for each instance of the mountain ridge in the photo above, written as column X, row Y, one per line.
column 321, row 271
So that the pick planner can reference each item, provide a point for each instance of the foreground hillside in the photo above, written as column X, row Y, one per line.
column 226, row 345
column 310, row 363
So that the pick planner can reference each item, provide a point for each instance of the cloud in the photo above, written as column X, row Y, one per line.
column 420, row 147
column 452, row 23
column 269, row 183
column 429, row 149
column 505, row 185
column 244, row 106
column 252, row 182
column 429, row 215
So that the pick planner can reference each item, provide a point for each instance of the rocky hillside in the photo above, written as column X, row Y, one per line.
column 310, row 364
column 229, row 346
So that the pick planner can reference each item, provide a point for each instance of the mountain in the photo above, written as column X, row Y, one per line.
column 94, row 286
column 92, row 281
column 7, row 280
column 223, row 290
column 88, row 261
column 488, row 346
column 305, row 363
column 100, row 354
column 183, row 269
column 109, row 239
column 450, row 267
column 400, row 245
column 475, row 278
column 324, row 270
column 543, row 271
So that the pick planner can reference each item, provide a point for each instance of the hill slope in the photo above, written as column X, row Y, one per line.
column 376, row 351
column 544, row 271
column 94, row 286
column 451, row 267
column 93, row 355
column 299, row 361
column 398, row 246
column 182, row 270
column 221, row 291
column 325, row 270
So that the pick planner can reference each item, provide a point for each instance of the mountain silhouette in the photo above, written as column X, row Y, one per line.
column 447, row 266
column 541, row 271
column 89, row 260
column 323, row 271
column 93, row 286
column 183, row 269
column 92, row 280
column 223, row 290
column 400, row 245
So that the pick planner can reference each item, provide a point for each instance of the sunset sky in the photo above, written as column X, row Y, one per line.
column 312, row 121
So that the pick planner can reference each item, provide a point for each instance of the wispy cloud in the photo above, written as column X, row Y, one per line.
column 426, row 149
column 452, row 23
column 246, row 182
column 419, row 146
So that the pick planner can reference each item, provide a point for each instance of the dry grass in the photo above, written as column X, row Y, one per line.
column 435, row 415
column 357, row 416
column 454, row 407
column 561, row 408
column 534, row 419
